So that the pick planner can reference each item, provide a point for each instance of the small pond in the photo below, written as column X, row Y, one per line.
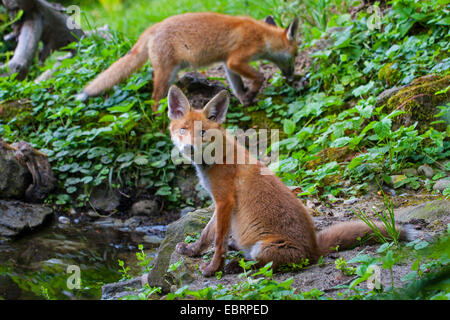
column 35, row 266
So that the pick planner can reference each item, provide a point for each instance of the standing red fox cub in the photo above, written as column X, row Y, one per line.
column 200, row 39
column 253, row 206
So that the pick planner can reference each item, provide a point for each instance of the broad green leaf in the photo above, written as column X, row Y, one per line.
column 288, row 126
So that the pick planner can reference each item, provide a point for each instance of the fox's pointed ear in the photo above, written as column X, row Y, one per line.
column 270, row 20
column 178, row 103
column 291, row 31
column 216, row 109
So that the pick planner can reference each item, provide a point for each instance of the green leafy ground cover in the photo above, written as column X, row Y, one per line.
column 428, row 278
column 334, row 131
column 117, row 139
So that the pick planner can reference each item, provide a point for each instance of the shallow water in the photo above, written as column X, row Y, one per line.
column 36, row 265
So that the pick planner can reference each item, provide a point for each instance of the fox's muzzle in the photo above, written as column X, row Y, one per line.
column 288, row 74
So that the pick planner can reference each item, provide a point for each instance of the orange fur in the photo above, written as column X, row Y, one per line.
column 266, row 221
column 200, row 39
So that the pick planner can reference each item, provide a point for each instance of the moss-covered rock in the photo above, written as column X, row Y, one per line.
column 420, row 101
column 389, row 74
column 176, row 232
column 259, row 120
column 429, row 211
column 384, row 96
column 329, row 155
column 20, row 109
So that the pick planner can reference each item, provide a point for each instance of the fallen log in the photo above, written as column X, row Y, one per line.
column 41, row 21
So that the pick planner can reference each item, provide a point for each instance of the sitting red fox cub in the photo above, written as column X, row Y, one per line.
column 253, row 206
column 200, row 39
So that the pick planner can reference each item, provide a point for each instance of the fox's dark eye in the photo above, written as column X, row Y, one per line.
column 182, row 130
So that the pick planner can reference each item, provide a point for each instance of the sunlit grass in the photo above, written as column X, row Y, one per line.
column 133, row 17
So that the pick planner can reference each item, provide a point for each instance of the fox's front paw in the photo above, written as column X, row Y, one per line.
column 82, row 96
column 208, row 269
column 184, row 249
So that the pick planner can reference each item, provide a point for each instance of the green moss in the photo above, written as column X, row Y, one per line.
column 329, row 155
column 389, row 74
column 21, row 110
column 332, row 180
column 420, row 102
column 259, row 120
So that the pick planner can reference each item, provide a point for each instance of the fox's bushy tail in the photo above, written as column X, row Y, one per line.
column 347, row 235
column 119, row 70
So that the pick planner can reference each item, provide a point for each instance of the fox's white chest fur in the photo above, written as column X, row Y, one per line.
column 203, row 178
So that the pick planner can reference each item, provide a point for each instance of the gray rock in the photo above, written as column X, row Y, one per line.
column 186, row 210
column 63, row 220
column 14, row 178
column 310, row 204
column 133, row 222
column 5, row 232
column 386, row 94
column 158, row 229
column 105, row 199
column 117, row 290
column 351, row 201
column 152, row 239
column 411, row 172
column 187, row 272
column 93, row 214
column 442, row 184
column 104, row 223
column 333, row 199
column 429, row 211
column 426, row 171
column 118, row 223
column 146, row 208
column 176, row 232
column 16, row 216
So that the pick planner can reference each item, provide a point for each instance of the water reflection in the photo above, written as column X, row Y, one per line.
column 34, row 266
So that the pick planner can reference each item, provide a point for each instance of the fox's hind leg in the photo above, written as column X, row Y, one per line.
column 236, row 84
column 163, row 76
column 280, row 252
